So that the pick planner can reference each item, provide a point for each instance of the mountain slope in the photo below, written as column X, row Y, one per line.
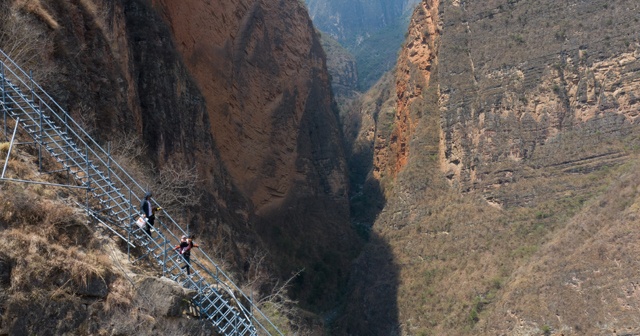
column 235, row 92
column 503, row 215
column 263, row 76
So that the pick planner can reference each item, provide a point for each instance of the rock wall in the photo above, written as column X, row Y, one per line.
column 413, row 75
column 512, row 138
column 259, row 65
column 262, row 72
column 503, row 100
column 342, row 68
column 240, row 91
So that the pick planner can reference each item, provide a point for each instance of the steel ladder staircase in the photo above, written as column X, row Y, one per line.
column 111, row 195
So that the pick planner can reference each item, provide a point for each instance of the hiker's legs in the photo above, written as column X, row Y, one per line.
column 188, row 262
column 150, row 222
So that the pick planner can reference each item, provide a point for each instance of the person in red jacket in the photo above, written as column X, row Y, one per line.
column 186, row 244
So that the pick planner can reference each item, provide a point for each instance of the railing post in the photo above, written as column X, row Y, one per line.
column 129, row 226
column 32, row 85
column 109, row 198
column 15, row 129
column 164, row 255
column 41, row 138
column 88, row 174
column 4, row 102
column 109, row 163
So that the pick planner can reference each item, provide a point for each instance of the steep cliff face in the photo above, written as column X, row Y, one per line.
column 240, row 91
column 507, row 172
column 413, row 75
column 342, row 68
column 549, row 78
column 115, row 68
column 261, row 69
column 262, row 73
column 548, row 115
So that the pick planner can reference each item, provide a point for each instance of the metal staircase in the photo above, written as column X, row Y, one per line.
column 111, row 195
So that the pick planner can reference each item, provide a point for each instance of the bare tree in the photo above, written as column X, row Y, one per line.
column 23, row 41
column 177, row 186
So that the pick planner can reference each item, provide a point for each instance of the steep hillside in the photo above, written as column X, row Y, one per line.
column 343, row 70
column 61, row 274
column 235, row 92
column 507, row 172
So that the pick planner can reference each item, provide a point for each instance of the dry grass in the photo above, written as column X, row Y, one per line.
column 18, row 168
column 40, row 260
column 46, row 234
column 592, row 258
column 24, row 41
column 90, row 7
column 457, row 257
column 175, row 185
column 120, row 297
column 4, row 147
column 55, row 256
column 51, row 232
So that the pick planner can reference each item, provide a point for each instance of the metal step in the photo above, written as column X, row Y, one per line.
column 44, row 121
column 60, row 146
column 120, row 207
column 112, row 196
column 79, row 160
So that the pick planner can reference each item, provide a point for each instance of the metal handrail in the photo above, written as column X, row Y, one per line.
column 115, row 170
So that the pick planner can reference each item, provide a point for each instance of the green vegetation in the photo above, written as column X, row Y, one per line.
column 518, row 39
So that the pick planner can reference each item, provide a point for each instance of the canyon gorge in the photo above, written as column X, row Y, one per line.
column 480, row 180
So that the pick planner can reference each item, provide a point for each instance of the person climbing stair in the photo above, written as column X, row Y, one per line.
column 186, row 244
column 149, row 211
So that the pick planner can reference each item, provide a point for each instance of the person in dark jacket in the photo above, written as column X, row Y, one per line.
column 147, row 211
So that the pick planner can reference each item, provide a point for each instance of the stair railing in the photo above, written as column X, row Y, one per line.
column 117, row 176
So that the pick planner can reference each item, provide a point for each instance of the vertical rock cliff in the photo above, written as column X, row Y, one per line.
column 239, row 90
column 505, row 154
column 262, row 72
column 413, row 75
column 505, row 100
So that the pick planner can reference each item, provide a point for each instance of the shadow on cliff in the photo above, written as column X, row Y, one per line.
column 370, row 305
column 370, row 302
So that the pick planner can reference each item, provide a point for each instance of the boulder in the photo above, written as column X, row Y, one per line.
column 165, row 296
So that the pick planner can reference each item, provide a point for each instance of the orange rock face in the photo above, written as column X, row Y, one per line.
column 261, row 70
column 256, row 63
column 413, row 75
